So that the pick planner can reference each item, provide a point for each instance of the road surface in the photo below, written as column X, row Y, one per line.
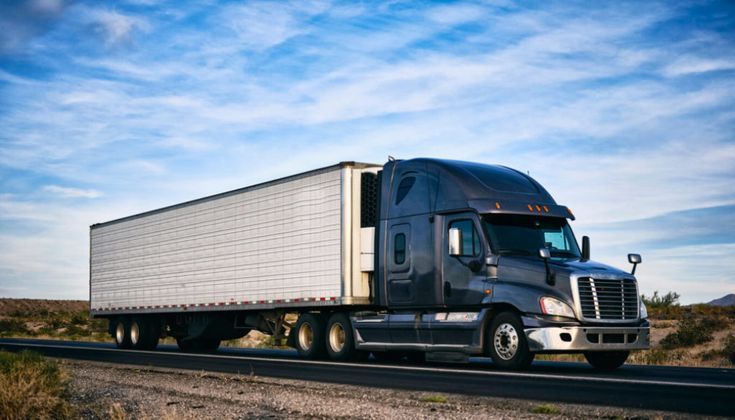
column 692, row 390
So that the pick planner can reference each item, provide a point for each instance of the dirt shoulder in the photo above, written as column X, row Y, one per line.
column 101, row 390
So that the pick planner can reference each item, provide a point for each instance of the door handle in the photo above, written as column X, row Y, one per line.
column 447, row 289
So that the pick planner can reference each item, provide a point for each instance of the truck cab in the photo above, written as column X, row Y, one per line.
column 475, row 259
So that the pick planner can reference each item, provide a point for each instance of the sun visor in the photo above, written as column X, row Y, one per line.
column 519, row 207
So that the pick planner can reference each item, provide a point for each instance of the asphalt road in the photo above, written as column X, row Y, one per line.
column 691, row 390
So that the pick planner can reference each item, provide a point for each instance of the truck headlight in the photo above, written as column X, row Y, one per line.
column 644, row 311
column 553, row 306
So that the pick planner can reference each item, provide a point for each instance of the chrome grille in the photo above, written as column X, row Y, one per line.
column 608, row 299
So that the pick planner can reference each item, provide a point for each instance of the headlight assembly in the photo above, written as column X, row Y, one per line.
column 553, row 306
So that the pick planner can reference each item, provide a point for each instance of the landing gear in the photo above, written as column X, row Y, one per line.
column 506, row 342
column 606, row 360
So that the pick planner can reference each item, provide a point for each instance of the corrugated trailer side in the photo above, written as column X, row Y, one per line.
column 292, row 242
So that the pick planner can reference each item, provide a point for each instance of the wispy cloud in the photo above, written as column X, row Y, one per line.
column 70, row 192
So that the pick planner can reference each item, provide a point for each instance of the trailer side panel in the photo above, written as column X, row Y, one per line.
column 279, row 241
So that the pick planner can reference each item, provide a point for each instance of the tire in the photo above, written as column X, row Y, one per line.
column 506, row 342
column 198, row 345
column 144, row 333
column 309, row 339
column 339, row 339
column 606, row 360
column 122, row 334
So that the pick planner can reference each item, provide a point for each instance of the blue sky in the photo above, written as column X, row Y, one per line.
column 625, row 111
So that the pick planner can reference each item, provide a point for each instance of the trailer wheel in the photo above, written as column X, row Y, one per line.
column 309, row 336
column 122, row 334
column 340, row 339
column 606, row 360
column 506, row 342
column 144, row 334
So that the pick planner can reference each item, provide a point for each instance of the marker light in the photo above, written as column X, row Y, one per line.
column 497, row 205
column 553, row 306
column 530, row 207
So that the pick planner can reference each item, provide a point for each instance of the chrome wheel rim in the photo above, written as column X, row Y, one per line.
column 306, row 336
column 134, row 333
column 337, row 337
column 506, row 341
column 120, row 333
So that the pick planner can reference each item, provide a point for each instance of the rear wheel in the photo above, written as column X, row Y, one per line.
column 340, row 339
column 309, row 336
column 122, row 334
column 606, row 360
column 506, row 342
column 144, row 334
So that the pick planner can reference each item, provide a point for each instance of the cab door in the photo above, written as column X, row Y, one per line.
column 464, row 275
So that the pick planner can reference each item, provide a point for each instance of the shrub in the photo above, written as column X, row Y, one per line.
column 545, row 409
column 31, row 387
column 690, row 332
column 729, row 349
column 10, row 327
column 656, row 301
column 80, row 318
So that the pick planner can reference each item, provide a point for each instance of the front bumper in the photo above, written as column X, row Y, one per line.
column 573, row 339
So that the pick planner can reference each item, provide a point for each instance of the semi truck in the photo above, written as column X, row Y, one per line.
column 420, row 259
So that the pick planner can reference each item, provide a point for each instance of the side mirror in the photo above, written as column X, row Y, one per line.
column 455, row 242
column 544, row 253
column 634, row 259
column 492, row 260
column 585, row 248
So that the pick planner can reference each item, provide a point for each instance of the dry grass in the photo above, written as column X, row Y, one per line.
column 32, row 388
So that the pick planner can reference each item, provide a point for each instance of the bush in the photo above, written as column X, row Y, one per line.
column 31, row 387
column 10, row 327
column 692, row 331
column 729, row 350
column 665, row 301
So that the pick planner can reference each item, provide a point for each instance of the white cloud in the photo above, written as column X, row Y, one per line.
column 688, row 65
column 70, row 192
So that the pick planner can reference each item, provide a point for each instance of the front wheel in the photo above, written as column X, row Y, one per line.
column 606, row 360
column 506, row 342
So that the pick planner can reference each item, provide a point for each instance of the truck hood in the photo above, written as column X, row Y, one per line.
column 530, row 271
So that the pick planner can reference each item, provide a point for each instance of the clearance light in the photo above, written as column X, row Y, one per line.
column 570, row 211
column 538, row 208
column 546, row 209
column 530, row 207
column 497, row 205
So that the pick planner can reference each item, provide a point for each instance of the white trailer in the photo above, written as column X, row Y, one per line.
column 294, row 242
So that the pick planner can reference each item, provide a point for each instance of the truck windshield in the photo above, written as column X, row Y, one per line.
column 524, row 235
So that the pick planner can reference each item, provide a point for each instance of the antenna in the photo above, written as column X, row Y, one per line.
column 391, row 158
